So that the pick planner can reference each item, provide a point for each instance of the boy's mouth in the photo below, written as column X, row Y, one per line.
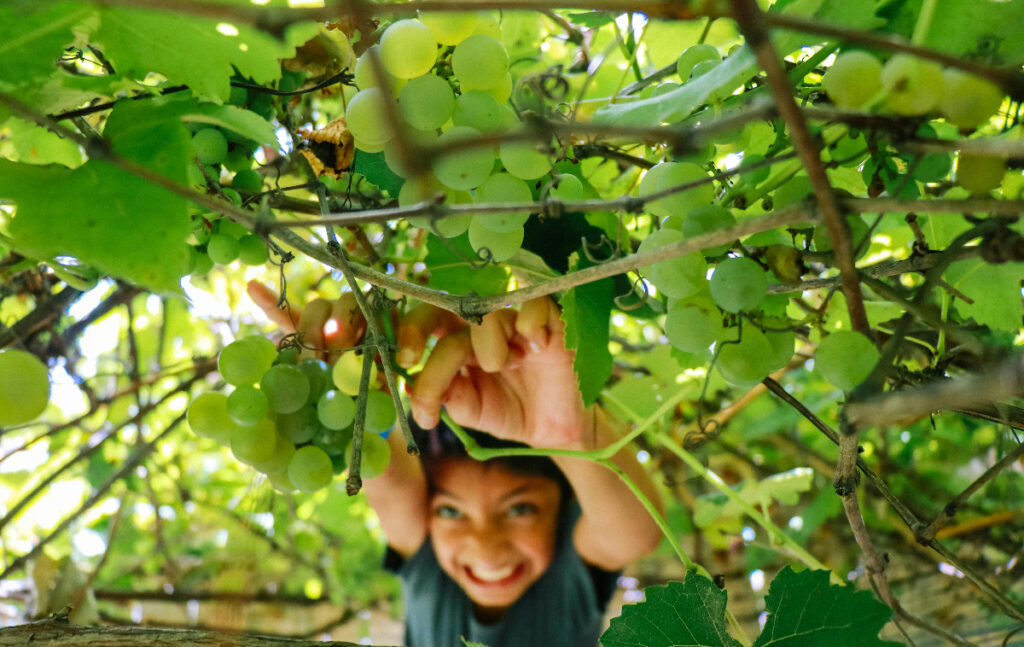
column 494, row 577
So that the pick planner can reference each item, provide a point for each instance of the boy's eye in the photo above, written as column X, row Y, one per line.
column 521, row 509
column 447, row 512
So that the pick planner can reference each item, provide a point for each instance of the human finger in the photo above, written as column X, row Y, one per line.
column 490, row 339
column 445, row 362
column 346, row 325
column 266, row 300
column 532, row 320
column 311, row 325
column 417, row 326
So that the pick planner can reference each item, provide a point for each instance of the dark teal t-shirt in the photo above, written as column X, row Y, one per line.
column 563, row 608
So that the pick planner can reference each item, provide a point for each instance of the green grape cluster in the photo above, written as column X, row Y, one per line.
column 448, row 79
column 219, row 241
column 225, row 165
column 907, row 85
column 292, row 418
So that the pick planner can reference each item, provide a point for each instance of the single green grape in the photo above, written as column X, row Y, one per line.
column 783, row 346
column 286, row 388
column 247, row 405
column 335, row 410
column 853, row 79
column 254, row 444
column 319, row 375
column 674, row 277
column 706, row 219
column 449, row 27
column 363, row 116
column 980, row 174
column 208, row 416
column 692, row 328
column 210, row 146
column 478, row 110
column 310, row 469
column 381, row 414
column 747, row 362
column 523, row 160
column 426, row 102
column 480, row 62
column 738, row 284
column 24, row 387
column 913, row 85
column 968, row 101
column 222, row 249
column 408, row 49
column 348, row 373
column 500, row 246
column 667, row 175
column 284, row 450
column 845, row 358
column 466, row 168
column 252, row 250
column 376, row 454
column 503, row 188
column 248, row 181
column 299, row 426
column 243, row 362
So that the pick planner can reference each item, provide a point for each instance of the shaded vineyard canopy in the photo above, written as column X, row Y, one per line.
column 890, row 458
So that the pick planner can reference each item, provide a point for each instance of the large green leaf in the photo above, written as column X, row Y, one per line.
column 586, row 311
column 105, row 217
column 804, row 610
column 201, row 53
column 690, row 613
column 452, row 268
column 993, row 289
column 33, row 40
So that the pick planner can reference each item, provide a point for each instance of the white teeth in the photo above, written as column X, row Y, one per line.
column 488, row 575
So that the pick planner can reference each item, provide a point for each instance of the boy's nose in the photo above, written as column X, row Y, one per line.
column 489, row 546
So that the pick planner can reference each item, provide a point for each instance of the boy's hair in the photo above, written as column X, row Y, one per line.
column 441, row 444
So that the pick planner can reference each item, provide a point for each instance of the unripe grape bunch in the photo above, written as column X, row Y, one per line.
column 289, row 418
column 447, row 79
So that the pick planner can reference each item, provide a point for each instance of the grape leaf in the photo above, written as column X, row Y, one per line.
column 690, row 613
column 376, row 170
column 103, row 216
column 451, row 264
column 201, row 53
column 36, row 145
column 994, row 289
column 27, row 33
column 677, row 104
column 804, row 610
column 984, row 29
column 586, row 311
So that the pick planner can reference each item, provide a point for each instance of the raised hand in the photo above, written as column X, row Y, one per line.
column 511, row 377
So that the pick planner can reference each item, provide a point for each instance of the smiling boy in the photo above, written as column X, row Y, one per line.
column 515, row 551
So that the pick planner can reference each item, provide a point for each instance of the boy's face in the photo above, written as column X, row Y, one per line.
column 493, row 530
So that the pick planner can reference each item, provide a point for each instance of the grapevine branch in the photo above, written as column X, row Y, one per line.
column 901, row 407
column 998, row 598
column 949, row 510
